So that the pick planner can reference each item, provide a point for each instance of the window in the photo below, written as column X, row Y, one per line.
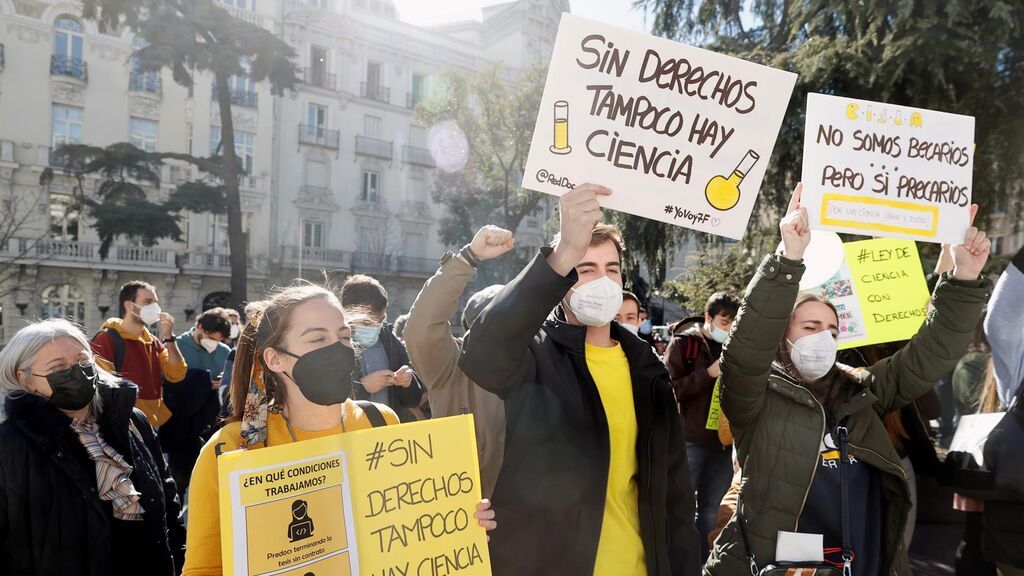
column 416, row 190
column 418, row 85
column 240, row 84
column 316, row 119
column 371, row 186
column 414, row 244
column 139, row 80
column 373, row 76
column 63, row 301
column 417, row 136
column 312, row 234
column 68, row 39
column 144, row 133
column 369, row 239
column 218, row 234
column 245, row 147
column 318, row 66
column 63, row 217
column 373, row 126
column 67, row 125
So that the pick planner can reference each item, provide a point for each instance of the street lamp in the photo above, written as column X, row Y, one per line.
column 21, row 306
column 189, row 312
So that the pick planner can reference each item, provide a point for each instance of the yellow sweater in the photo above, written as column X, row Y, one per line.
column 202, row 552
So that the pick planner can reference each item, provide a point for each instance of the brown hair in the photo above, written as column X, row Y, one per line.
column 832, row 388
column 602, row 233
column 988, row 398
column 266, row 329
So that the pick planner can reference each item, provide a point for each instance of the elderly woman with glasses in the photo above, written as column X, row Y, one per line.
column 83, row 486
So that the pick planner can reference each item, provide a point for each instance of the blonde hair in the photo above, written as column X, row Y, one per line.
column 19, row 354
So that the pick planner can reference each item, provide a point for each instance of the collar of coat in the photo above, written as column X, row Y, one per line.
column 45, row 424
column 781, row 382
column 638, row 353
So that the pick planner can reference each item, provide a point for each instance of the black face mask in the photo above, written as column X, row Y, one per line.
column 324, row 376
column 72, row 388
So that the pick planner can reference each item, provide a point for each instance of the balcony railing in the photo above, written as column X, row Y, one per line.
column 209, row 260
column 313, row 191
column 144, row 255
column 375, row 92
column 249, row 183
column 248, row 16
column 375, row 147
column 319, row 136
column 62, row 251
column 418, row 156
column 72, row 67
column 246, row 99
column 416, row 208
column 370, row 261
column 319, row 77
column 412, row 265
column 148, row 82
column 313, row 257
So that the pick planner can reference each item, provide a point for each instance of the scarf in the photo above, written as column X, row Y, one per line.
column 112, row 472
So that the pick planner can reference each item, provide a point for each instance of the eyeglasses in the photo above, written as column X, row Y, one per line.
column 83, row 363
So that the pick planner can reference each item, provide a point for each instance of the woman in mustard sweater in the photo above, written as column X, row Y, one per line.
column 289, row 384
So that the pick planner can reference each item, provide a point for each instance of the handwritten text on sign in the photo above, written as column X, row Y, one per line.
column 884, row 170
column 391, row 501
column 682, row 135
column 879, row 292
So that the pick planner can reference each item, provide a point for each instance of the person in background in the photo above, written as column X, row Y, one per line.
column 790, row 408
column 693, row 362
column 435, row 351
column 629, row 313
column 203, row 345
column 229, row 362
column 399, row 328
column 126, row 347
column 236, row 327
column 646, row 329
column 1003, row 536
column 83, row 487
column 384, row 375
column 969, row 374
column 594, row 478
column 290, row 384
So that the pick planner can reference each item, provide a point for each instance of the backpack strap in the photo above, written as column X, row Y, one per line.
column 372, row 413
column 119, row 348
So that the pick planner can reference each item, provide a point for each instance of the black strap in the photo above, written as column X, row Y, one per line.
column 842, row 437
column 118, row 343
column 372, row 413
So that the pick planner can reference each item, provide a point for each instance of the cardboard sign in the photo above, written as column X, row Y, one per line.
column 681, row 135
column 885, row 170
column 387, row 501
column 879, row 291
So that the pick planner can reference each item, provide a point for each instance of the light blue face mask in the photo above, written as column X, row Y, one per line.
column 366, row 336
column 717, row 334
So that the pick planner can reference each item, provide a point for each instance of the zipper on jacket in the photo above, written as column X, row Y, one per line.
column 814, row 471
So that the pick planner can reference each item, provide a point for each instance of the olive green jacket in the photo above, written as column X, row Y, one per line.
column 778, row 424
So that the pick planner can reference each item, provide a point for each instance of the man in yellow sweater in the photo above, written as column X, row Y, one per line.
column 595, row 477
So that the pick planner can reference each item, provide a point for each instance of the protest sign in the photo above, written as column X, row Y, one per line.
column 680, row 134
column 879, row 292
column 885, row 170
column 388, row 501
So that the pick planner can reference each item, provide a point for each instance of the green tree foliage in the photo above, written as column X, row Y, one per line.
column 961, row 56
column 497, row 117
column 190, row 36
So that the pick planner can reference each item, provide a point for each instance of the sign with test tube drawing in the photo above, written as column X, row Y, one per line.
column 883, row 170
column 680, row 134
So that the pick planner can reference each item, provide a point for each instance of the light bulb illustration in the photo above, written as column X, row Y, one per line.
column 724, row 192
column 561, row 145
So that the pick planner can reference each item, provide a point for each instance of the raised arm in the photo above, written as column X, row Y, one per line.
column 767, row 304
column 1004, row 328
column 940, row 343
column 496, row 351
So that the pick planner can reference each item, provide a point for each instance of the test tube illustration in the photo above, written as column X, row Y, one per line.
column 561, row 145
column 723, row 192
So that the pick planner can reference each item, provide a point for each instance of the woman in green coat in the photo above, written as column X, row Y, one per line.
column 786, row 398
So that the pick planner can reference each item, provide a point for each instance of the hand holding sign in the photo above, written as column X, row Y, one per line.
column 796, row 232
column 578, row 212
column 970, row 257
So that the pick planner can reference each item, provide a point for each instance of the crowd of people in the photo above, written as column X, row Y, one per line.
column 744, row 443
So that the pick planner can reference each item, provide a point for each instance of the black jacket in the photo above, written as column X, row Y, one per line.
column 52, row 521
column 550, row 495
column 399, row 399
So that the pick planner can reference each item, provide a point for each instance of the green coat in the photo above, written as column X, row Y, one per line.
column 778, row 424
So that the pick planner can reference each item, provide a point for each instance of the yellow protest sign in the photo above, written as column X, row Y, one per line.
column 389, row 501
column 879, row 291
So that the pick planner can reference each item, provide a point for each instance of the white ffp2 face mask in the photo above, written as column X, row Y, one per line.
column 234, row 331
column 149, row 313
column 814, row 355
column 633, row 328
column 597, row 302
column 209, row 344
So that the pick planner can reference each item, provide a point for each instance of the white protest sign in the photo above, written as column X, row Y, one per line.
column 885, row 170
column 681, row 135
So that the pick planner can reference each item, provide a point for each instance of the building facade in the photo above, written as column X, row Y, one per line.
column 338, row 174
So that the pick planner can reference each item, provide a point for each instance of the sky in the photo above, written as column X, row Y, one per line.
column 424, row 12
